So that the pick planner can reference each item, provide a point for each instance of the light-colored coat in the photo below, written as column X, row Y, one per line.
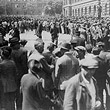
column 77, row 96
column 33, row 94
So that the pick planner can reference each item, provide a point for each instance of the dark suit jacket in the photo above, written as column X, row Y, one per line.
column 49, row 57
column 46, row 68
column 20, row 58
column 16, row 33
column 8, row 75
column 54, row 32
column 79, row 41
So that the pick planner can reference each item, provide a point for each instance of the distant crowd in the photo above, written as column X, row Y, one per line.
column 67, row 75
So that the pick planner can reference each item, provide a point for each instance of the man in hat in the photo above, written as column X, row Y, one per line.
column 79, row 40
column 81, row 91
column 39, row 29
column 48, row 53
column 81, row 52
column 46, row 68
column 19, row 55
column 34, row 96
column 54, row 31
column 66, row 67
column 94, row 32
column 8, row 77
column 15, row 33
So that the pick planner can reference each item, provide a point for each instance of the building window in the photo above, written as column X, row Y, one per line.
column 89, row 10
column 78, row 12
column 85, row 10
column 94, row 9
column 16, row 6
column 82, row 11
column 106, row 9
column 73, row 12
column 66, row 12
column 69, row 1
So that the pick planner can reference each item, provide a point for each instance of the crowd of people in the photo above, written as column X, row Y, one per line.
column 67, row 75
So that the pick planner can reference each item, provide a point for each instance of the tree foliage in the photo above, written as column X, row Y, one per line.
column 53, row 8
column 2, row 10
column 49, row 10
column 58, row 7
column 9, row 9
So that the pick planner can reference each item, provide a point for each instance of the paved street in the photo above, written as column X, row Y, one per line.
column 30, row 37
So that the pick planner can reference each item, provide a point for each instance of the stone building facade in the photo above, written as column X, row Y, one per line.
column 85, row 7
column 23, row 7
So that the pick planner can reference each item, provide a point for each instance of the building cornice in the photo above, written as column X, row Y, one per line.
column 83, row 2
column 79, row 3
column 67, row 6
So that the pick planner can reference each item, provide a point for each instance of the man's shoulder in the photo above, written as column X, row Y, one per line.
column 46, row 52
column 25, row 76
column 35, row 56
column 29, row 77
column 74, row 78
column 61, row 59
column 23, row 49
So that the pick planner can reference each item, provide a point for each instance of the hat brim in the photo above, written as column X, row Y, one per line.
column 64, row 48
column 90, row 67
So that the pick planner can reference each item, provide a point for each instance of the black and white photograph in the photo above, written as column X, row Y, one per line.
column 54, row 54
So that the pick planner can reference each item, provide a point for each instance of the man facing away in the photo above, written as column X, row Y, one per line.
column 34, row 96
column 66, row 67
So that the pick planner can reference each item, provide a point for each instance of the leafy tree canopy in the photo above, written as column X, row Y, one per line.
column 53, row 7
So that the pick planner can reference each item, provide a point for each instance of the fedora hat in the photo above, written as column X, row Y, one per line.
column 6, row 51
column 80, row 48
column 65, row 45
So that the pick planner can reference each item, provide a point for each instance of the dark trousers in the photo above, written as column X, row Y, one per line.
column 18, row 100
column 8, row 101
column 55, row 40
column 101, row 83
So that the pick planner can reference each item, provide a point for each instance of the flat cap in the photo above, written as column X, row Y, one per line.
column 38, row 42
column 50, row 45
column 14, row 40
column 6, row 51
column 100, row 44
column 89, row 63
column 57, row 50
column 80, row 48
column 65, row 45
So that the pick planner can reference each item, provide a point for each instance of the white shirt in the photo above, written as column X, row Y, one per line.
column 90, row 86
